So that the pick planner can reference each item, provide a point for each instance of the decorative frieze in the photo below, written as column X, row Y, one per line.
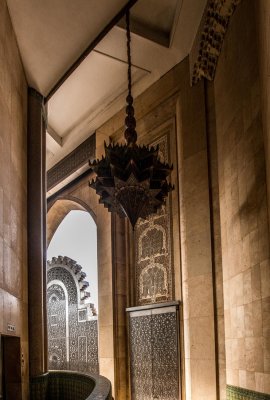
column 72, row 162
column 208, row 42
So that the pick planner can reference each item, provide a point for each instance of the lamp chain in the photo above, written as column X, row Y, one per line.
column 130, row 121
column 128, row 52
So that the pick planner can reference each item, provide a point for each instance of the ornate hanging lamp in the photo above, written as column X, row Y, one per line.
column 130, row 179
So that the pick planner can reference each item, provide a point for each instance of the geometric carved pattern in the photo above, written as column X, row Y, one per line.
column 72, row 327
column 59, row 273
column 153, row 264
column 154, row 355
column 82, row 314
column 76, row 272
column 141, row 357
column 208, row 43
column 74, row 160
column 165, row 356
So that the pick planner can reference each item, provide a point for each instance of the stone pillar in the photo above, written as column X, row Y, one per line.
column 216, row 239
column 36, row 219
column 105, row 282
column 120, row 279
column 197, row 268
column 105, row 296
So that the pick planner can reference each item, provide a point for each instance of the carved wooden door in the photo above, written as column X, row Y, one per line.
column 154, row 352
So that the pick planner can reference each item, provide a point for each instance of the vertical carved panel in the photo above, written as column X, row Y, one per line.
column 72, row 336
column 154, row 353
column 57, row 329
column 165, row 356
column 153, row 253
column 141, row 357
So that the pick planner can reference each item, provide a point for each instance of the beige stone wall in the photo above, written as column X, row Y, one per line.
column 172, row 99
column 220, row 223
column 243, row 205
column 167, row 107
column 197, row 264
column 13, row 246
column 262, row 13
column 216, row 238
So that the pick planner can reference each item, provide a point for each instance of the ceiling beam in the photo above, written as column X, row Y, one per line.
column 57, row 138
column 89, row 48
column 143, row 30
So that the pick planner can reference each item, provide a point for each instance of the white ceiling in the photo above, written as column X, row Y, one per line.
column 52, row 34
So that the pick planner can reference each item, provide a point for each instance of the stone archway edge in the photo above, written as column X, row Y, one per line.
column 209, row 39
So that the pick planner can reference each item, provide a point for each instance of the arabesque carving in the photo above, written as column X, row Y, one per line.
column 153, row 253
column 72, row 320
column 208, row 42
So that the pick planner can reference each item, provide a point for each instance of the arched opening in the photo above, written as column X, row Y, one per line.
column 72, row 290
column 81, row 198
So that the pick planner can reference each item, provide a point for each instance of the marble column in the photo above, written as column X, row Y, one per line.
column 36, row 219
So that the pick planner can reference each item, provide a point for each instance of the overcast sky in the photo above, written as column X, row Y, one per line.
column 76, row 237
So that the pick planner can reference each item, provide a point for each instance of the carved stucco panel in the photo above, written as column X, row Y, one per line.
column 153, row 247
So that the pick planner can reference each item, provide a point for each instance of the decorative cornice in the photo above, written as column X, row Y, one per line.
column 208, row 42
column 72, row 162
column 237, row 393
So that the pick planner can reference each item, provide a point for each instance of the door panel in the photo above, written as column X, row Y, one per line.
column 141, row 357
column 165, row 356
column 12, row 388
column 154, row 353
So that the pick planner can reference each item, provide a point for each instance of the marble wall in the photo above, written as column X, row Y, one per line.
column 13, row 196
column 243, row 205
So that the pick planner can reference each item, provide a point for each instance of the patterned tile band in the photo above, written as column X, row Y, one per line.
column 65, row 385
column 74, row 160
column 237, row 393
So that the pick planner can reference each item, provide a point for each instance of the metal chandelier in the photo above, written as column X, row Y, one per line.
column 130, row 179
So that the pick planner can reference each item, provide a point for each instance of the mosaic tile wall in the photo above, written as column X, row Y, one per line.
column 237, row 393
column 153, row 260
column 72, row 328
column 66, row 385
